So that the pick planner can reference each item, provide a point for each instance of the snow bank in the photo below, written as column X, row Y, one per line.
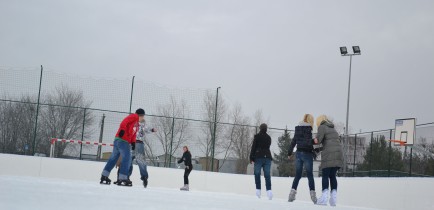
column 380, row 193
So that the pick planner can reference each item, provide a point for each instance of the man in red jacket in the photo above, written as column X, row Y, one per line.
column 125, row 136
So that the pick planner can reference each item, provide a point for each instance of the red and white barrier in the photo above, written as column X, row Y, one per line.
column 54, row 140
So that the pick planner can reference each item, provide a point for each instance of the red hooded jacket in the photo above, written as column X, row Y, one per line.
column 129, row 125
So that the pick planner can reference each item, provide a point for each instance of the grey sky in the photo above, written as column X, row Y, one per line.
column 279, row 56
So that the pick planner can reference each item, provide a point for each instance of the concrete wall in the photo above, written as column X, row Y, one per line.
column 385, row 193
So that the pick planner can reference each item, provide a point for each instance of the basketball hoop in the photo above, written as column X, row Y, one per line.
column 401, row 143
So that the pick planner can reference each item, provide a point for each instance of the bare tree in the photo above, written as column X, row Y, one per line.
column 168, row 126
column 63, row 121
column 209, row 115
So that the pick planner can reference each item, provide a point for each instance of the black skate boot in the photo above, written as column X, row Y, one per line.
column 125, row 183
column 105, row 180
column 145, row 181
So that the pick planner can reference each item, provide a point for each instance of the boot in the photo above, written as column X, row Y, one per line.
column 125, row 183
column 185, row 188
column 313, row 196
column 324, row 198
column 258, row 193
column 291, row 196
column 145, row 181
column 333, row 197
column 269, row 194
column 105, row 180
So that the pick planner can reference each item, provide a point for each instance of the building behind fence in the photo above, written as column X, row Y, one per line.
column 37, row 105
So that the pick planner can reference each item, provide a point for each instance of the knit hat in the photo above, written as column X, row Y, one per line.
column 263, row 127
column 140, row 111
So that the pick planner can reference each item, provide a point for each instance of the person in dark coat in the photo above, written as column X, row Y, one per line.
column 331, row 159
column 260, row 156
column 186, row 158
column 303, row 139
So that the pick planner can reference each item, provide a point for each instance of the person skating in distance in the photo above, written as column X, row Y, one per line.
column 186, row 158
column 260, row 156
column 303, row 139
column 331, row 159
column 125, row 140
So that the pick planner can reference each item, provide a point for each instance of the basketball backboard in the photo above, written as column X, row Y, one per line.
column 405, row 131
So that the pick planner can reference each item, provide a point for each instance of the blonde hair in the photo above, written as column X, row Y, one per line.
column 308, row 118
column 321, row 119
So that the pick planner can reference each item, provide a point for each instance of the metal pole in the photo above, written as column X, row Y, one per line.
column 101, row 132
column 82, row 132
column 348, row 111
column 411, row 157
column 37, row 111
column 355, row 148
column 390, row 152
column 132, row 90
column 370, row 156
column 171, row 142
column 215, row 129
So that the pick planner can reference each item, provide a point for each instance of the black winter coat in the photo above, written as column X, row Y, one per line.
column 303, row 140
column 186, row 158
column 261, row 146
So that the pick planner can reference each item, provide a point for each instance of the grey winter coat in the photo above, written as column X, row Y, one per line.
column 332, row 155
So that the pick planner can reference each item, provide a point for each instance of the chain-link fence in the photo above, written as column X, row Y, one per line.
column 372, row 154
column 37, row 105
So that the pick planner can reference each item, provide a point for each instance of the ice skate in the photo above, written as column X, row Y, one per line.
column 145, row 181
column 333, row 197
column 258, row 193
column 291, row 196
column 313, row 196
column 185, row 188
column 105, row 180
column 125, row 183
column 324, row 198
column 270, row 195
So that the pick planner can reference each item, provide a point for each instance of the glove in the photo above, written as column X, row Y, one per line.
column 121, row 133
column 133, row 146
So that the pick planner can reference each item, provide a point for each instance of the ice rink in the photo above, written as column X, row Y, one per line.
column 28, row 193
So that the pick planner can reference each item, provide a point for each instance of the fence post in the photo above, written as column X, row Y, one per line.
column 101, row 133
column 390, row 152
column 171, row 141
column 215, row 129
column 411, row 157
column 37, row 112
column 370, row 156
column 82, row 131
column 132, row 90
column 355, row 149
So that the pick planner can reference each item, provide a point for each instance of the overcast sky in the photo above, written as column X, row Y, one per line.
column 279, row 56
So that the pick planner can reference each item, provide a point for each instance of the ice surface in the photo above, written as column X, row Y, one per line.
column 28, row 193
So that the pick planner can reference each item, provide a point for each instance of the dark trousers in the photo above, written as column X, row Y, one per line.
column 306, row 159
column 187, row 173
column 329, row 174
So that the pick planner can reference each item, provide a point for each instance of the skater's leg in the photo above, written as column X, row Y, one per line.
column 325, row 178
column 308, row 164
column 130, row 170
column 186, row 174
column 298, row 170
column 257, row 172
column 332, row 177
column 267, row 175
column 140, row 159
column 112, row 160
column 125, row 151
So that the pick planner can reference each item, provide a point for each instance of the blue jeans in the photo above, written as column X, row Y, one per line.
column 265, row 164
column 329, row 173
column 123, row 149
column 306, row 159
column 140, row 160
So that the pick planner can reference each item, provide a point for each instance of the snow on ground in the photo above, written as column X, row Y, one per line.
column 28, row 193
